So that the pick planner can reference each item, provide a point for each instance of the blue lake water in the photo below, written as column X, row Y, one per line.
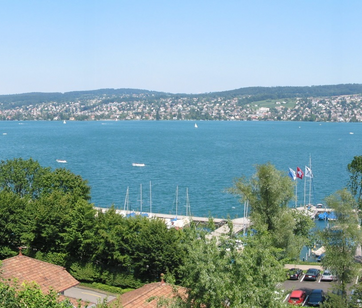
column 205, row 160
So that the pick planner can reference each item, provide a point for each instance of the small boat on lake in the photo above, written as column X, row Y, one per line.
column 61, row 161
column 138, row 165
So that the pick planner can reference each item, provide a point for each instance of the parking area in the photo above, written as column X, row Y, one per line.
column 307, row 286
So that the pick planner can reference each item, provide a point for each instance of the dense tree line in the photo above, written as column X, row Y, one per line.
column 49, row 214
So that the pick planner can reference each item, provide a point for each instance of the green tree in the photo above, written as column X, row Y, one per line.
column 23, row 177
column 355, row 179
column 269, row 193
column 231, row 277
column 14, row 223
column 29, row 295
column 67, row 182
column 341, row 239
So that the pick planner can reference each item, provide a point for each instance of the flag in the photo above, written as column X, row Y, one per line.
column 308, row 172
column 300, row 173
column 292, row 174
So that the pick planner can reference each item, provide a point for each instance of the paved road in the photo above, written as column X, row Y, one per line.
column 87, row 295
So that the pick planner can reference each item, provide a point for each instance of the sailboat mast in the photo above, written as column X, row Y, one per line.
column 141, row 197
column 305, row 185
column 126, row 207
column 310, row 179
column 188, row 210
column 150, row 198
column 176, row 199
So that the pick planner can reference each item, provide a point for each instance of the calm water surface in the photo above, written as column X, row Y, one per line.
column 205, row 160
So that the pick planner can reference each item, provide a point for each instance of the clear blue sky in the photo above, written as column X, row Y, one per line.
column 178, row 46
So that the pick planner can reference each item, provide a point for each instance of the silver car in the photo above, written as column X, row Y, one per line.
column 328, row 276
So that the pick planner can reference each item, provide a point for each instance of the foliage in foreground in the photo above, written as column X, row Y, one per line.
column 269, row 192
column 29, row 296
column 48, row 212
column 234, row 277
column 341, row 239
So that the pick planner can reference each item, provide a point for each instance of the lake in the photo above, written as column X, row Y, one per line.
column 206, row 159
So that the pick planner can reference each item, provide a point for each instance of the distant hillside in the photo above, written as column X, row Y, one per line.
column 34, row 98
column 245, row 95
column 255, row 94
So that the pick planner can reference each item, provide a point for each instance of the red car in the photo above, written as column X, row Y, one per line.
column 297, row 297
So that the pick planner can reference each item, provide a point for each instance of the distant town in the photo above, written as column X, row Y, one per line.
column 129, row 104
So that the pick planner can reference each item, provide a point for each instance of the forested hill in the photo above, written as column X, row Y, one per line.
column 248, row 94
column 34, row 98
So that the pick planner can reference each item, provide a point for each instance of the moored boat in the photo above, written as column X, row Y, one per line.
column 61, row 161
column 138, row 165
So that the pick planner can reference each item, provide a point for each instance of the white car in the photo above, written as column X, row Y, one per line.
column 328, row 276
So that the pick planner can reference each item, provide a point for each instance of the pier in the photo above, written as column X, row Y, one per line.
column 239, row 224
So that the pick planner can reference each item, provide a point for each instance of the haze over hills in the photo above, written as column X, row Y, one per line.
column 312, row 103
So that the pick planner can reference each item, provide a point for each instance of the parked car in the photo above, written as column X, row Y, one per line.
column 355, row 298
column 316, row 298
column 297, row 297
column 295, row 273
column 312, row 274
column 328, row 276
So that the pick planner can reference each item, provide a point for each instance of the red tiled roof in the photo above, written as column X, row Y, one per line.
column 46, row 275
column 141, row 298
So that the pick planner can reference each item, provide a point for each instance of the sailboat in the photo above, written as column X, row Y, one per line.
column 141, row 203
column 126, row 205
column 196, row 125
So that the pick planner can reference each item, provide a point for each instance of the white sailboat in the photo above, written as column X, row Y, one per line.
column 196, row 125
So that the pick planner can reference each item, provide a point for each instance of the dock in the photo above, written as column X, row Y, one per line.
column 239, row 224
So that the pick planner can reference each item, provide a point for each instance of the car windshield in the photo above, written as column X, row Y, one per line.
column 315, row 297
column 327, row 273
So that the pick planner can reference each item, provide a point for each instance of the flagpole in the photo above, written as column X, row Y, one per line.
column 310, row 178
column 305, row 185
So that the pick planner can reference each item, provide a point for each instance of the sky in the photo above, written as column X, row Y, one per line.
column 178, row 46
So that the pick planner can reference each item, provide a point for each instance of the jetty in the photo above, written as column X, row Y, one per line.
column 313, row 211
column 239, row 224
column 222, row 226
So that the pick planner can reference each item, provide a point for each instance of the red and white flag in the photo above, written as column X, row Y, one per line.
column 300, row 173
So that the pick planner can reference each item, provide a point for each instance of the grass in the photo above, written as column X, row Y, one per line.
column 271, row 103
